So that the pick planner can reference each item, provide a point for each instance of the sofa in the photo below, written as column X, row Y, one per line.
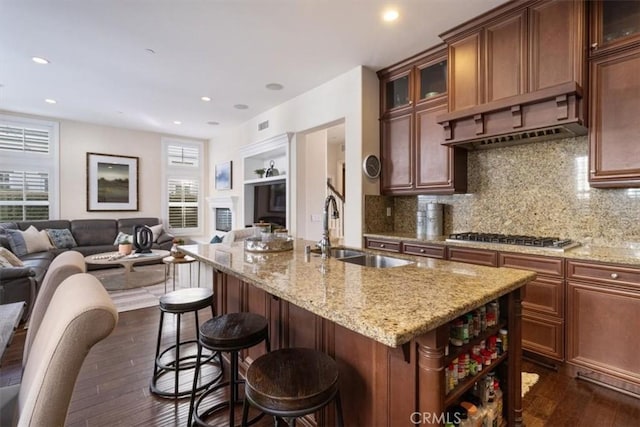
column 91, row 236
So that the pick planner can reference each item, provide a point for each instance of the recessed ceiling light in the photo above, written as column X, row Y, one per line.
column 205, row 99
column 213, row 123
column 241, row 106
column 390, row 15
column 274, row 86
column 50, row 101
column 177, row 122
column 39, row 60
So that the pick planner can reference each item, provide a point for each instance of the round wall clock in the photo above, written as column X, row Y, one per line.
column 371, row 166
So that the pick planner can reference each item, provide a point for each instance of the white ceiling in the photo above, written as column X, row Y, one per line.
column 100, row 71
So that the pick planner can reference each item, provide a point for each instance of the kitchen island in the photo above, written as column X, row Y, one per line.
column 388, row 328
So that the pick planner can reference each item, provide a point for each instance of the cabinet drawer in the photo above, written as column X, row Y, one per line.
column 473, row 256
column 543, row 335
column 610, row 274
column 432, row 251
column 545, row 295
column 539, row 264
column 383, row 245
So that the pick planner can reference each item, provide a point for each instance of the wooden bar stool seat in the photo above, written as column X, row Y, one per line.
column 181, row 302
column 227, row 333
column 291, row 383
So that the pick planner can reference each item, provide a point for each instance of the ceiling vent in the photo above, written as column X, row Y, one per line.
column 263, row 125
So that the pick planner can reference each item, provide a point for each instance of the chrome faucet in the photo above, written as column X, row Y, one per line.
column 325, row 244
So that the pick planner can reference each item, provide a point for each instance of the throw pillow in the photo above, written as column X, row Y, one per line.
column 4, row 263
column 61, row 238
column 216, row 239
column 121, row 237
column 9, row 256
column 156, row 230
column 28, row 241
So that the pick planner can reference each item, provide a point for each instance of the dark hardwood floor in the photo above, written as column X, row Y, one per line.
column 113, row 385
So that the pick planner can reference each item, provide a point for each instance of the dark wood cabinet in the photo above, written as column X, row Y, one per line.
column 614, row 25
column 473, row 256
column 398, row 154
column 383, row 244
column 414, row 161
column 517, row 74
column 543, row 305
column 603, row 313
column 614, row 151
column 425, row 250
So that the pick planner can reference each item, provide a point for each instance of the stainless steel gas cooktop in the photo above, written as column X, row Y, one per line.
column 551, row 243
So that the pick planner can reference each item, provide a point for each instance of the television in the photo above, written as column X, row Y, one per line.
column 270, row 203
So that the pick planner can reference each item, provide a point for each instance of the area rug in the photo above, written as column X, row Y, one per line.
column 135, row 298
column 528, row 380
column 144, row 275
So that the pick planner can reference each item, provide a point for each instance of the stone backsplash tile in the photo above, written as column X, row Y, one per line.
column 404, row 218
column 540, row 189
column 375, row 214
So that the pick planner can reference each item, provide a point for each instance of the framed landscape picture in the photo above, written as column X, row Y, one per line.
column 112, row 182
column 223, row 176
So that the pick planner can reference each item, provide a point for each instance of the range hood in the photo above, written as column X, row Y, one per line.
column 551, row 113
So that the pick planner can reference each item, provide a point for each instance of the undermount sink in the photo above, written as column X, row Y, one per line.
column 376, row 261
column 341, row 252
column 354, row 256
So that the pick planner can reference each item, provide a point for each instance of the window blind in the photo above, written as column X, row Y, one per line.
column 24, row 195
column 23, row 139
column 183, row 203
column 183, row 155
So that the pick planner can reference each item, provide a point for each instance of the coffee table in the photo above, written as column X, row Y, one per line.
column 131, row 278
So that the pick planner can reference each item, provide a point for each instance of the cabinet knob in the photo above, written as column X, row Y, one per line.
column 422, row 251
column 594, row 45
column 382, row 245
column 592, row 171
column 410, row 102
column 614, row 275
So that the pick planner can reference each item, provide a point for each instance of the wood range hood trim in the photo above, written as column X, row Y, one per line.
column 550, row 113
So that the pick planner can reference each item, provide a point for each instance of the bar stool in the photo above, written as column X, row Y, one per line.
column 290, row 383
column 180, row 302
column 228, row 333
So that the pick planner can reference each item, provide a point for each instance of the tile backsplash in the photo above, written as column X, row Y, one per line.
column 539, row 188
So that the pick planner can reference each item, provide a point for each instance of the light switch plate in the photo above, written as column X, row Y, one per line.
column 316, row 217
column 389, row 211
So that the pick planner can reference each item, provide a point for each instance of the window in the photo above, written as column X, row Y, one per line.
column 183, row 178
column 28, row 169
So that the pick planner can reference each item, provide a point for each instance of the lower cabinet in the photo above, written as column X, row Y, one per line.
column 473, row 256
column 603, row 315
column 382, row 244
column 543, row 304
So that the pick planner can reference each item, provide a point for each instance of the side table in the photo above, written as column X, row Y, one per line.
column 173, row 261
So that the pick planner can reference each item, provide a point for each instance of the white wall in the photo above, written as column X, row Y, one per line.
column 79, row 138
column 352, row 96
column 315, row 188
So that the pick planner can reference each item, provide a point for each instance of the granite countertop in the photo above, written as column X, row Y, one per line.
column 629, row 255
column 389, row 305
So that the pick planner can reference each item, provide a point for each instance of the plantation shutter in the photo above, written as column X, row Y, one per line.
column 24, row 195
column 23, row 139
column 183, row 155
column 183, row 203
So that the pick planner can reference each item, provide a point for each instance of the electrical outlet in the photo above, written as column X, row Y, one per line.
column 389, row 211
column 316, row 217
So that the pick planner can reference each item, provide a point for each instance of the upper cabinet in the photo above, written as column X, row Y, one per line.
column 614, row 148
column 517, row 74
column 614, row 24
column 414, row 161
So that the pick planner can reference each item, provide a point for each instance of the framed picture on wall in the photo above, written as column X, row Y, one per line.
column 223, row 176
column 112, row 182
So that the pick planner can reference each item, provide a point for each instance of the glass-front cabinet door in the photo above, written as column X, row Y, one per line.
column 432, row 80
column 397, row 91
column 614, row 23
